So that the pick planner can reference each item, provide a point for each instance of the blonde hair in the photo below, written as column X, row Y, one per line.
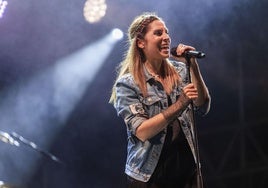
column 134, row 58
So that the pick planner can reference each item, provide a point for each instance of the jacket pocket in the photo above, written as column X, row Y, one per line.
column 152, row 104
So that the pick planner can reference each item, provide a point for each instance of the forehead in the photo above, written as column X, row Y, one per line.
column 156, row 24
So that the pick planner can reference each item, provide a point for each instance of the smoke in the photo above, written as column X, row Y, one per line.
column 38, row 107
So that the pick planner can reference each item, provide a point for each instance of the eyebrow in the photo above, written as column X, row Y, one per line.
column 158, row 29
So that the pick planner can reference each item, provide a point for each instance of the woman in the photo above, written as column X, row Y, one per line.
column 152, row 95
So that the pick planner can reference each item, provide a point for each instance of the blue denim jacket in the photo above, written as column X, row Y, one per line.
column 142, row 157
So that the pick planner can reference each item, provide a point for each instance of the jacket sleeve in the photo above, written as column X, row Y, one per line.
column 128, row 105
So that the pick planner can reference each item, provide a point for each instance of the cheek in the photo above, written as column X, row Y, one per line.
column 154, row 44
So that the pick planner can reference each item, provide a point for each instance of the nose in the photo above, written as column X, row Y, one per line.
column 166, row 37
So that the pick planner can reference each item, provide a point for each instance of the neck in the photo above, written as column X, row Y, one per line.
column 153, row 68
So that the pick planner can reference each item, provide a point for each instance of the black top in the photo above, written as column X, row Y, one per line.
column 176, row 162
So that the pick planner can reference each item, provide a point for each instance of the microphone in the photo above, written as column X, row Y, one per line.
column 188, row 54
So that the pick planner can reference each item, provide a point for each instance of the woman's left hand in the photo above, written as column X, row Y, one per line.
column 181, row 48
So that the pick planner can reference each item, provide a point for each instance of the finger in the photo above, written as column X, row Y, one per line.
column 189, row 89
column 192, row 96
column 182, row 48
column 192, row 93
column 189, row 85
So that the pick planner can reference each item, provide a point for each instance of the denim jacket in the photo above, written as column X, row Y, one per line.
column 142, row 157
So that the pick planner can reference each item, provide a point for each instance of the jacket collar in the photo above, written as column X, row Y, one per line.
column 147, row 75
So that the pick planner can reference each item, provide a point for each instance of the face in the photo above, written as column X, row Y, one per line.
column 156, row 42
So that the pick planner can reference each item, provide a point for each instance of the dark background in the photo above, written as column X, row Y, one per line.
column 91, row 140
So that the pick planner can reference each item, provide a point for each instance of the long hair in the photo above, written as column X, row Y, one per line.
column 135, row 58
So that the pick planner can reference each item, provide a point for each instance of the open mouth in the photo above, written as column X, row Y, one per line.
column 164, row 48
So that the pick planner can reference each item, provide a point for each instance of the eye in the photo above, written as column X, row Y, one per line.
column 158, row 32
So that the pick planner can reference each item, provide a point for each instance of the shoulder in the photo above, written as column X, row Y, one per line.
column 125, row 84
column 126, row 79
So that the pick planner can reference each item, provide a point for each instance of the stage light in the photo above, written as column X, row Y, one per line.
column 117, row 34
column 3, row 5
column 94, row 10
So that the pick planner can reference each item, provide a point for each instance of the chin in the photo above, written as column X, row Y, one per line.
column 166, row 56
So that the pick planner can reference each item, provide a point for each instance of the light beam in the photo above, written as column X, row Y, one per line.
column 38, row 108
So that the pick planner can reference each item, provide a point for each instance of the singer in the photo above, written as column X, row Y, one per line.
column 153, row 96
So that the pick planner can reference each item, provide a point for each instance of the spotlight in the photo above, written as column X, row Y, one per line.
column 94, row 10
column 117, row 34
column 3, row 5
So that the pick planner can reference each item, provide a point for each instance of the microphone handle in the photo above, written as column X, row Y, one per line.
column 188, row 54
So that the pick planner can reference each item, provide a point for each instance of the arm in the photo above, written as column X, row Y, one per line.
column 199, row 84
column 137, row 121
column 196, row 77
column 154, row 125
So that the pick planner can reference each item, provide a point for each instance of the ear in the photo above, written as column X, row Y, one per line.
column 140, row 43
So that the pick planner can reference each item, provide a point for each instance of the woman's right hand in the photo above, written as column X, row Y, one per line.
column 189, row 92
